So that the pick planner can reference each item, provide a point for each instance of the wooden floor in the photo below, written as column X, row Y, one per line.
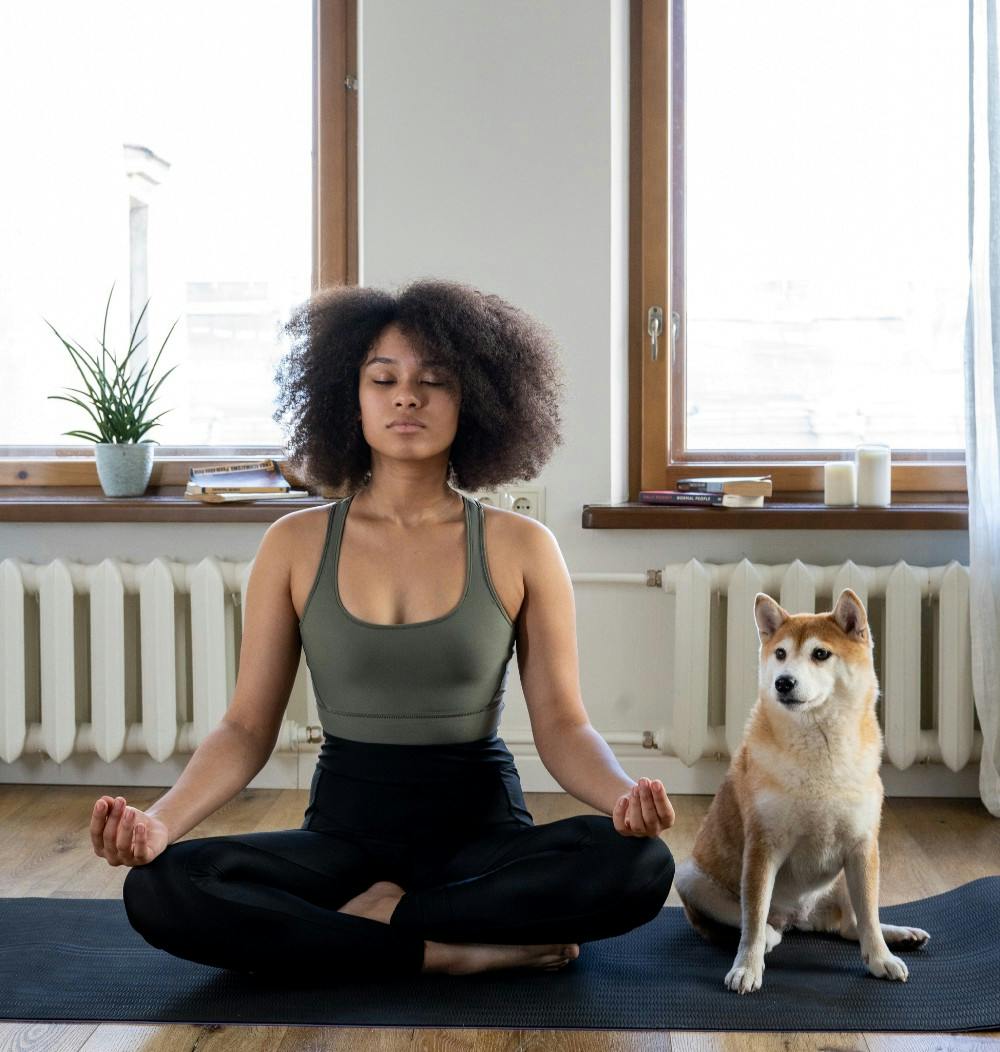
column 928, row 846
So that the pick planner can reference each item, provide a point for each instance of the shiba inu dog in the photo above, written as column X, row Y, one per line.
column 791, row 837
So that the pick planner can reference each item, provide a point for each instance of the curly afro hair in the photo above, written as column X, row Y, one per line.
column 505, row 362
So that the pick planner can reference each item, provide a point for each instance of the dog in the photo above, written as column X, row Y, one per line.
column 791, row 837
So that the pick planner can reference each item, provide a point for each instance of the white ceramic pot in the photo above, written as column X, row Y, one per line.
column 124, row 467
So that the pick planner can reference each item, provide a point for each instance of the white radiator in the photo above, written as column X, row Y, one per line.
column 186, row 643
column 188, row 625
column 899, row 591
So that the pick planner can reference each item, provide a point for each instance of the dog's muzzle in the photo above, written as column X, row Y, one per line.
column 785, row 685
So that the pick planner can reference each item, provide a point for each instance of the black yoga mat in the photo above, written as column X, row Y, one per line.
column 79, row 960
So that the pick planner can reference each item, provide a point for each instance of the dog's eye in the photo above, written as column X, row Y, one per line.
column 780, row 653
column 820, row 654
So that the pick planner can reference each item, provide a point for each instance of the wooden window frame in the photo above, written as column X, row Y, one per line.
column 334, row 248
column 656, row 276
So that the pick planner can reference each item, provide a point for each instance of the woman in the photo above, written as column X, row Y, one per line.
column 416, row 852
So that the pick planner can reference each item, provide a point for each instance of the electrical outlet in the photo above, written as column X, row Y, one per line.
column 525, row 500
column 489, row 497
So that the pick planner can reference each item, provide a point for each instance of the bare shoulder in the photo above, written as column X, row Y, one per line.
column 304, row 518
column 508, row 537
column 299, row 527
column 521, row 540
column 513, row 523
column 297, row 540
column 512, row 529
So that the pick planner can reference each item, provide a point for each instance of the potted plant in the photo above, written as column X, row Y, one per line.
column 119, row 408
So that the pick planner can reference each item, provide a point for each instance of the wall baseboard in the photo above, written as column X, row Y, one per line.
column 294, row 771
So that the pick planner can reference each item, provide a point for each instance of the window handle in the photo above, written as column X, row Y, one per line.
column 654, row 326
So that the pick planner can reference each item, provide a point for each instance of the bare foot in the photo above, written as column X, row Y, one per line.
column 466, row 958
column 376, row 903
column 379, row 901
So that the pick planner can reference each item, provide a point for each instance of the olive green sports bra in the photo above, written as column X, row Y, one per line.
column 424, row 683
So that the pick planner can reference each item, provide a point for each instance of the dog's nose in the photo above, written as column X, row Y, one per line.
column 784, row 684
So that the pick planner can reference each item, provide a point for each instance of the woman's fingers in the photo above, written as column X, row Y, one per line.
column 660, row 812
column 111, row 828
column 121, row 834
column 664, row 808
column 98, row 818
column 123, row 841
column 117, row 838
column 140, row 848
column 648, row 807
column 635, row 818
column 619, row 814
column 110, row 825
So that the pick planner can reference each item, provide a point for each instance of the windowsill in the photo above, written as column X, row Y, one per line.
column 88, row 504
column 778, row 515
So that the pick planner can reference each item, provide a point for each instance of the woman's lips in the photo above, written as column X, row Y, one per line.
column 406, row 427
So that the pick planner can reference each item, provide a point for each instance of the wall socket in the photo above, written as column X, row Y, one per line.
column 525, row 500
column 489, row 497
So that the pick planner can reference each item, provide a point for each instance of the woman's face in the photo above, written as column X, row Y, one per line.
column 393, row 384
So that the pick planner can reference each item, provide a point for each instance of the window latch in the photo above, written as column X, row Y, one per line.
column 654, row 326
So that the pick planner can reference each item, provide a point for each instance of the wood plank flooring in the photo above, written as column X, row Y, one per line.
column 927, row 845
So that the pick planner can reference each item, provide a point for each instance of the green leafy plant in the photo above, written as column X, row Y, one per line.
column 112, row 399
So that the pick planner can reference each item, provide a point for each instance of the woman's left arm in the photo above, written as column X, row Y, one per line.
column 579, row 759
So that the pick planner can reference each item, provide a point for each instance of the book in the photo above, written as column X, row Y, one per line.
column 718, row 500
column 262, row 476
column 744, row 485
column 258, row 480
column 227, row 498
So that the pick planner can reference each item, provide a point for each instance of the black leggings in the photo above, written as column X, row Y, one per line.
column 446, row 823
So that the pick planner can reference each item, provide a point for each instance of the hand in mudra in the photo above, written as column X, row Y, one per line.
column 125, row 836
column 646, row 811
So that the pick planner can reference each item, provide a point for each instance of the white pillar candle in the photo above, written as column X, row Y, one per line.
column 874, row 475
column 839, row 482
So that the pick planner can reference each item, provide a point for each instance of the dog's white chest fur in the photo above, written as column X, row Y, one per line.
column 822, row 808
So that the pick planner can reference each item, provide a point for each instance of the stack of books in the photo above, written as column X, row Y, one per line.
column 736, row 491
column 223, row 483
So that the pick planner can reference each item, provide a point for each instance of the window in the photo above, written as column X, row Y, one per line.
column 209, row 172
column 800, row 191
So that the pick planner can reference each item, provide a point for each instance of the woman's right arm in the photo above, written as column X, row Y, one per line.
column 234, row 752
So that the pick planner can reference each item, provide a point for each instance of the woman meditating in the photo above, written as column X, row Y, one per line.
column 416, row 852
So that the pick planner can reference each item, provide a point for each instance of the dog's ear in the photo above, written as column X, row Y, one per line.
column 768, row 615
column 849, row 613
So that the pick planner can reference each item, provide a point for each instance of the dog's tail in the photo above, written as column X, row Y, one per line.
column 709, row 928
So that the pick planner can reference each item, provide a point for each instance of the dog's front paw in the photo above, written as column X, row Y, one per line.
column 886, row 966
column 746, row 974
column 904, row 938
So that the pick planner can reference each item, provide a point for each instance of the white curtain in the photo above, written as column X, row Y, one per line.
column 982, row 386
